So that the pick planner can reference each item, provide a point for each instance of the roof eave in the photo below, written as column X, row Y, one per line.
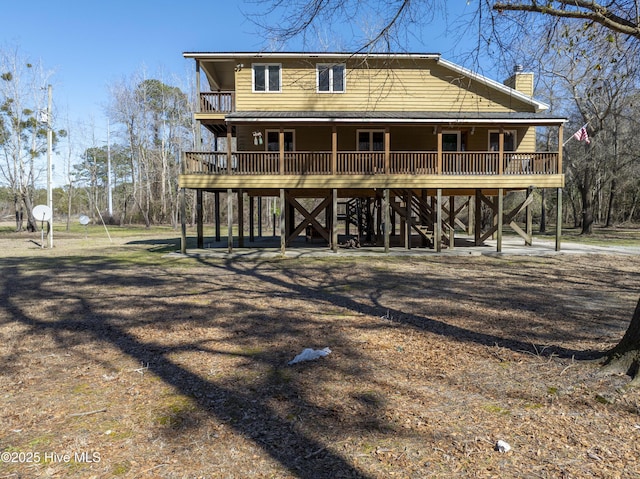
column 538, row 105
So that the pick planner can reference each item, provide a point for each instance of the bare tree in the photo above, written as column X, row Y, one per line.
column 23, row 130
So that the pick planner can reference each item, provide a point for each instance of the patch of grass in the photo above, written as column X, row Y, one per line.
column 121, row 468
column 175, row 411
column 495, row 409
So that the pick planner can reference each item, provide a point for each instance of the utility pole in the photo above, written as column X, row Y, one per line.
column 49, row 166
column 109, row 194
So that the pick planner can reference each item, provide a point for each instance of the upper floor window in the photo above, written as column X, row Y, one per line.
column 330, row 78
column 267, row 77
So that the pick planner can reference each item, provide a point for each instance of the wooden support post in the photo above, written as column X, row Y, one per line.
column 387, row 151
column 334, row 150
column 452, row 213
column 470, row 215
column 230, row 220
column 529, row 219
column 240, row 218
column 560, row 143
column 199, row 220
column 198, row 134
column 216, row 213
column 559, row 220
column 439, row 165
column 437, row 227
column 281, row 155
column 283, row 229
column 334, row 220
column 386, row 220
column 501, row 152
column 499, row 220
column 407, row 223
column 260, row 216
column 252, row 214
column 229, row 151
column 478, row 222
column 183, row 221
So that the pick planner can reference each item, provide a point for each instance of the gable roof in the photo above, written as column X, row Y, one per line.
column 490, row 83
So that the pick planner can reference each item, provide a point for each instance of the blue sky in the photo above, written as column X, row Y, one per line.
column 91, row 44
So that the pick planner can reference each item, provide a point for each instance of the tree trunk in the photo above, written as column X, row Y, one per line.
column 543, row 213
column 625, row 357
column 612, row 194
column 586, row 193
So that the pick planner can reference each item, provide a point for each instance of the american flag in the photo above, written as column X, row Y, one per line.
column 582, row 135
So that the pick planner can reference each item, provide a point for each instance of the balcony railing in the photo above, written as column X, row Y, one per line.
column 217, row 102
column 370, row 163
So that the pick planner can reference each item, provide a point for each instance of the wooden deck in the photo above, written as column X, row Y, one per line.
column 397, row 169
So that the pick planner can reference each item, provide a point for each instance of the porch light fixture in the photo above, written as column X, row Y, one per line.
column 257, row 138
column 473, row 130
column 239, row 67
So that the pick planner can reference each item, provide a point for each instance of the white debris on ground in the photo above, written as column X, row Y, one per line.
column 309, row 354
column 502, row 446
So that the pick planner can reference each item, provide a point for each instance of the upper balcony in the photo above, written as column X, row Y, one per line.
column 215, row 105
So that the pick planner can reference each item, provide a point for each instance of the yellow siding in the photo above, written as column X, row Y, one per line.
column 402, row 86
column 403, row 138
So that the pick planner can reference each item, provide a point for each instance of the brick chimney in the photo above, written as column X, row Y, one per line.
column 520, row 81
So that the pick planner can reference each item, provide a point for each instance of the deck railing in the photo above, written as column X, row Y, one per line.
column 217, row 102
column 370, row 163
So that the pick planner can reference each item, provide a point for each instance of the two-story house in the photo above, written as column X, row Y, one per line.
column 389, row 145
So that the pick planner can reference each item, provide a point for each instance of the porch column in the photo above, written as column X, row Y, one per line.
column 281, row 141
column 386, row 230
column 334, row 220
column 198, row 138
column 387, row 151
column 199, row 221
column 499, row 221
column 283, row 230
column 334, row 150
column 560, row 142
column 439, row 165
column 240, row 218
column 559, row 220
column 229, row 157
column 437, row 228
column 230, row 220
column 183, row 221
column 501, row 151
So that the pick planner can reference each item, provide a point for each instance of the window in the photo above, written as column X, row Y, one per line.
column 330, row 78
column 266, row 77
column 509, row 140
column 451, row 141
column 273, row 140
column 370, row 140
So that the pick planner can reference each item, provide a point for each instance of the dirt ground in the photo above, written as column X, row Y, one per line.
column 120, row 361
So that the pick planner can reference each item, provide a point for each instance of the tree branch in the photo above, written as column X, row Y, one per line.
column 584, row 10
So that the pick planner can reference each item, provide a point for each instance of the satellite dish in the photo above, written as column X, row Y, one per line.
column 84, row 220
column 42, row 213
